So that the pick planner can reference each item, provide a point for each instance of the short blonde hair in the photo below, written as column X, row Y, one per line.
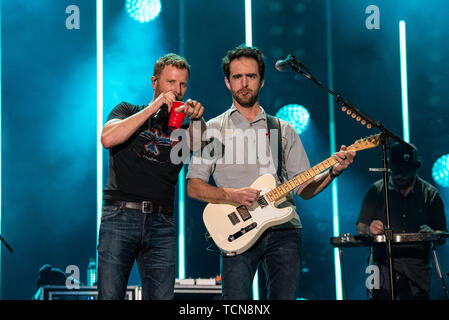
column 170, row 59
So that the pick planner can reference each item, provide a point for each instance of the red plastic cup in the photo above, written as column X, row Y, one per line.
column 176, row 118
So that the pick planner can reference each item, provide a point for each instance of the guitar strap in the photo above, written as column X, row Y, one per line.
column 274, row 123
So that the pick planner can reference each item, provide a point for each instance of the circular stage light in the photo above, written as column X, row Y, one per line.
column 440, row 171
column 143, row 10
column 297, row 115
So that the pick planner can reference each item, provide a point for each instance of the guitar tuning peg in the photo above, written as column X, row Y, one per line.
column 344, row 108
column 358, row 118
column 368, row 126
column 363, row 122
column 348, row 112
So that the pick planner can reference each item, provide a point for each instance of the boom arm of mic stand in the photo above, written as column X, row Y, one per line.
column 297, row 67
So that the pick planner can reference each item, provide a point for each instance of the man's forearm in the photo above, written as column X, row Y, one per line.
column 315, row 186
column 200, row 190
column 117, row 131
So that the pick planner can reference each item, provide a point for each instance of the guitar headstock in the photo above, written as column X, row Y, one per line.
column 366, row 143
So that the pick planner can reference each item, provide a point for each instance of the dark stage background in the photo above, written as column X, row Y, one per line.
column 49, row 114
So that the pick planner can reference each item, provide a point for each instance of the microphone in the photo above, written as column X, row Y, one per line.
column 159, row 120
column 162, row 112
column 295, row 64
column 282, row 64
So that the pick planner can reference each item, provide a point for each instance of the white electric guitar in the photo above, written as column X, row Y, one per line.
column 235, row 228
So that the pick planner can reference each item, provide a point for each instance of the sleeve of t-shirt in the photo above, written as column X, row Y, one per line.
column 199, row 168
column 122, row 111
column 202, row 162
column 369, row 204
column 437, row 219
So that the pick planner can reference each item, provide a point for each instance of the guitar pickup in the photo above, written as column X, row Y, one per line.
column 244, row 213
column 262, row 202
column 242, row 231
column 234, row 219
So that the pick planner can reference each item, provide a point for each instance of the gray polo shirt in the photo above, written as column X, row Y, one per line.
column 240, row 152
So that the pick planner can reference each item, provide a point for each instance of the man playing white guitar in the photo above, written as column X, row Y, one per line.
column 278, row 245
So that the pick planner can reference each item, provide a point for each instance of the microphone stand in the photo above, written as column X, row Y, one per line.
column 298, row 67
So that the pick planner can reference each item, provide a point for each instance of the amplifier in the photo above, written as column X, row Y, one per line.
column 185, row 289
column 83, row 293
column 197, row 289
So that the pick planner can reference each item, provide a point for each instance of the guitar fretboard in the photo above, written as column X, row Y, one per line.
column 282, row 190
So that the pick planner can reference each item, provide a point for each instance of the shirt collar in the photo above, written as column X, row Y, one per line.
column 392, row 186
column 260, row 116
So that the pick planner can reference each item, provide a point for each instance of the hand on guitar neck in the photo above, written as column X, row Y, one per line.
column 344, row 157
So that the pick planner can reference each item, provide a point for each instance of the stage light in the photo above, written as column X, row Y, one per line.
column 300, row 7
column 99, row 33
column 404, row 86
column 182, row 174
column 181, row 226
column 440, row 171
column 143, row 10
column 1, row 148
column 332, row 135
column 249, row 43
column 256, row 286
column 248, row 24
column 296, row 115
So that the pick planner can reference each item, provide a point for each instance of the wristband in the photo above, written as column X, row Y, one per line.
column 331, row 174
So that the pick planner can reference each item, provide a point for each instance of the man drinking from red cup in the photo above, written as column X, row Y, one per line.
column 137, row 220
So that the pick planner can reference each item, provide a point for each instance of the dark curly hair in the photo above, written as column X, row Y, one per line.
column 246, row 52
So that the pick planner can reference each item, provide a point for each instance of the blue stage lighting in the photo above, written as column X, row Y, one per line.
column 296, row 115
column 440, row 171
column 143, row 10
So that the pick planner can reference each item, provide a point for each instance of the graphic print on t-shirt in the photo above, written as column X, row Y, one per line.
column 156, row 146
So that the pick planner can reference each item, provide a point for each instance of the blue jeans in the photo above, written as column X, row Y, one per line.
column 279, row 250
column 127, row 235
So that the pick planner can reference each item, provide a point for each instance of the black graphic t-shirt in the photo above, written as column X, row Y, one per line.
column 140, row 168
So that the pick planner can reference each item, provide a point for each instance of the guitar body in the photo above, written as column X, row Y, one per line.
column 236, row 228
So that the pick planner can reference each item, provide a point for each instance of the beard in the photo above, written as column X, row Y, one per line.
column 246, row 97
column 403, row 181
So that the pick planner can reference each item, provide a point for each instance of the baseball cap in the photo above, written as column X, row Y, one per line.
column 401, row 156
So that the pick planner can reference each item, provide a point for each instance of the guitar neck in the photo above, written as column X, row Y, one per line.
column 282, row 190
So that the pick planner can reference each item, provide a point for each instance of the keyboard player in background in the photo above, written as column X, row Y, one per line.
column 415, row 206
